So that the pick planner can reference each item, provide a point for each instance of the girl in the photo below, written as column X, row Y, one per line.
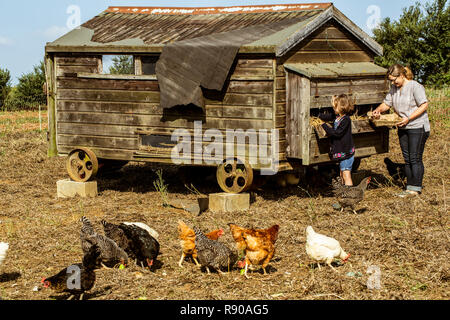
column 342, row 146
column 409, row 101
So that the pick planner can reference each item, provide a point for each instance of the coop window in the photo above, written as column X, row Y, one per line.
column 118, row 64
column 149, row 65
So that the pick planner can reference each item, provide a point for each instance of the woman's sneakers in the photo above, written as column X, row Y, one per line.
column 407, row 193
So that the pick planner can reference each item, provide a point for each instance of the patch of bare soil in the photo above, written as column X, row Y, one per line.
column 407, row 239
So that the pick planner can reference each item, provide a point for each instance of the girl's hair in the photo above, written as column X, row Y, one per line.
column 343, row 103
column 397, row 69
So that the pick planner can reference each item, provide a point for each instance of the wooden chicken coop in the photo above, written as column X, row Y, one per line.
column 257, row 69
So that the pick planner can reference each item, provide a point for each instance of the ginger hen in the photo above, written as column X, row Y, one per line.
column 187, row 241
column 258, row 244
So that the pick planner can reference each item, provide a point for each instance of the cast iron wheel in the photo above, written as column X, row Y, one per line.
column 234, row 176
column 82, row 165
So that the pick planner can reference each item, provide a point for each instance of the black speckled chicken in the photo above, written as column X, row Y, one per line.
column 350, row 196
column 110, row 253
column 213, row 254
column 66, row 280
column 141, row 245
column 115, row 233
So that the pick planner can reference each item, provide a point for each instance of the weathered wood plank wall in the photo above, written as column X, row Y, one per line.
column 107, row 114
column 330, row 43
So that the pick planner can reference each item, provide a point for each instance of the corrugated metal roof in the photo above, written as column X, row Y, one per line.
column 336, row 70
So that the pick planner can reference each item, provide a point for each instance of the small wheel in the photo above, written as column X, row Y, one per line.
column 234, row 176
column 82, row 165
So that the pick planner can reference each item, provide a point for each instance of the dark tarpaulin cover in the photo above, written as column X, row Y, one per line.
column 186, row 66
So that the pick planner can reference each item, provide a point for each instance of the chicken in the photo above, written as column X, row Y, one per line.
column 337, row 186
column 257, row 244
column 396, row 170
column 110, row 253
column 349, row 196
column 143, row 246
column 322, row 248
column 3, row 250
column 77, row 278
column 237, row 232
column 212, row 253
column 151, row 231
column 115, row 233
column 187, row 241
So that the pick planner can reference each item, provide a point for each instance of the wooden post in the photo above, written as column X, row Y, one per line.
column 137, row 65
column 40, row 119
column 298, row 90
column 304, row 115
column 51, row 105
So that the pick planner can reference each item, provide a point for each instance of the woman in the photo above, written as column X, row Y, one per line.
column 409, row 101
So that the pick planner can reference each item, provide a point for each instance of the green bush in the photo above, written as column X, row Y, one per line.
column 5, row 86
column 420, row 39
column 29, row 93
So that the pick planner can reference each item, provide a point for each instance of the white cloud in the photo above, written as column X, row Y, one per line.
column 5, row 41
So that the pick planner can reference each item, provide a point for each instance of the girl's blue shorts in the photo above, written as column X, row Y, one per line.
column 346, row 165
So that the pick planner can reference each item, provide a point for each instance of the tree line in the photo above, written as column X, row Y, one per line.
column 420, row 39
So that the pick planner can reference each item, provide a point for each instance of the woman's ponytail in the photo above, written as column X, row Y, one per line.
column 409, row 74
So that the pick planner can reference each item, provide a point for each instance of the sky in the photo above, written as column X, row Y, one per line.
column 26, row 26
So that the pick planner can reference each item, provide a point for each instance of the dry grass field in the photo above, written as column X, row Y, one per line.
column 407, row 239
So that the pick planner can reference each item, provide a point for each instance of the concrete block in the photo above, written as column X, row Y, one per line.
column 229, row 202
column 69, row 189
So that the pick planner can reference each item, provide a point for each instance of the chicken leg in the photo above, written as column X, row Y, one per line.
column 196, row 262
column 182, row 259
column 329, row 263
column 246, row 269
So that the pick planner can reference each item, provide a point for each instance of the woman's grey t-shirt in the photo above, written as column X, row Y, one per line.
column 406, row 100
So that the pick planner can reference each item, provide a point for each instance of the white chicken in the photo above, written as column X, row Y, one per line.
column 322, row 248
column 141, row 225
column 3, row 249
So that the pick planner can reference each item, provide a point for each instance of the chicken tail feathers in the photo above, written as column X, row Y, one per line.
column 87, row 227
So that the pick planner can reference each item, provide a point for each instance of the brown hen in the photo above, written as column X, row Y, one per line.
column 257, row 244
column 73, row 283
